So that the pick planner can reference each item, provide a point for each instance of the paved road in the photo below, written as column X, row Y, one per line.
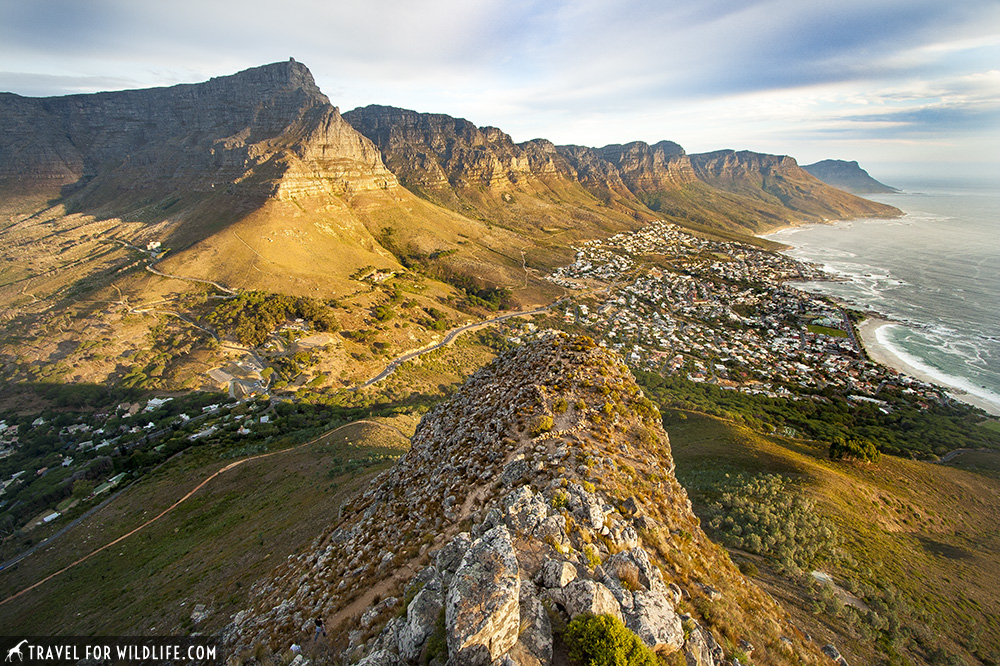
column 448, row 339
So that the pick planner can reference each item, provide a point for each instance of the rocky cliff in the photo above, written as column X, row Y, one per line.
column 848, row 176
column 543, row 490
column 245, row 131
column 452, row 162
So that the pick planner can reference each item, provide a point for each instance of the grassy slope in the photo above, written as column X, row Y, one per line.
column 210, row 550
column 928, row 530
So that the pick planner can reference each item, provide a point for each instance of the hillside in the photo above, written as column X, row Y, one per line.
column 542, row 490
column 848, row 176
column 914, row 540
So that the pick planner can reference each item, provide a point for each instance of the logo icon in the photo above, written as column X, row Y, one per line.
column 16, row 650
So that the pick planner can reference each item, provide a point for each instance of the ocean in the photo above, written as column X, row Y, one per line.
column 935, row 271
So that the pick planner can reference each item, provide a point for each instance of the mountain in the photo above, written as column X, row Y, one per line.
column 542, row 490
column 452, row 162
column 256, row 182
column 848, row 176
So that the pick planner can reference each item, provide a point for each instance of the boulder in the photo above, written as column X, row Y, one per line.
column 421, row 618
column 482, row 612
column 586, row 596
column 450, row 557
column 697, row 651
column 834, row 653
column 654, row 620
column 524, row 510
column 534, row 643
column 557, row 574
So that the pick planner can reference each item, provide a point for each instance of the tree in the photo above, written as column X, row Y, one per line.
column 858, row 449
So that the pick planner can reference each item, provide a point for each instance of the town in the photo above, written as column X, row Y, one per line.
column 721, row 312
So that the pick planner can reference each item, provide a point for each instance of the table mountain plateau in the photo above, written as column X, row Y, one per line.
column 542, row 490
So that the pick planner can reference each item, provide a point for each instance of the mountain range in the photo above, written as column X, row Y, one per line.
column 260, row 168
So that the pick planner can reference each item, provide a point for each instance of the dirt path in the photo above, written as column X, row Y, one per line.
column 183, row 499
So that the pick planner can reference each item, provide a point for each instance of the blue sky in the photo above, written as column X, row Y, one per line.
column 910, row 88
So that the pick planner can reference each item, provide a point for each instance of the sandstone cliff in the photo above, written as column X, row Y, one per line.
column 454, row 163
column 544, row 489
column 244, row 131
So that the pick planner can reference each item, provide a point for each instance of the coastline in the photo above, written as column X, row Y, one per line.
column 884, row 355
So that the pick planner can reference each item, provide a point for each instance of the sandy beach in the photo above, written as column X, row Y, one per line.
column 867, row 332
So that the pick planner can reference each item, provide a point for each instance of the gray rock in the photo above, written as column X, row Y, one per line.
column 586, row 596
column 370, row 615
column 697, row 651
column 378, row 658
column 492, row 519
column 421, row 619
column 524, row 510
column 450, row 557
column 713, row 645
column 514, row 471
column 557, row 574
column 534, row 643
column 482, row 612
column 654, row 620
column 834, row 653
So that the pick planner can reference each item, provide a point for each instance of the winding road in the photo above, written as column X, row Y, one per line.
column 166, row 511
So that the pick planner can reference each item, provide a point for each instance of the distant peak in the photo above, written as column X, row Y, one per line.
column 285, row 75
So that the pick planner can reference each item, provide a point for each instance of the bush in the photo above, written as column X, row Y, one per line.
column 542, row 424
column 602, row 640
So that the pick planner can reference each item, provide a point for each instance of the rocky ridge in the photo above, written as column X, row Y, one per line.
column 542, row 490
column 450, row 160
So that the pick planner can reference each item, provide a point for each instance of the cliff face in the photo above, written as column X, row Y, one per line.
column 435, row 151
column 544, row 489
column 848, row 176
column 246, row 130
column 779, row 180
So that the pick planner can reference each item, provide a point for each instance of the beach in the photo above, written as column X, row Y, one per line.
column 880, row 353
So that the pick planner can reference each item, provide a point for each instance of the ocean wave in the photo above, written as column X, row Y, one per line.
column 884, row 337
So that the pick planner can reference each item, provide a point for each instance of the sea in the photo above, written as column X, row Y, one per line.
column 935, row 272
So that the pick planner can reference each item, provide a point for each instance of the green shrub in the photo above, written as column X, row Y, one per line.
column 542, row 424
column 602, row 640
column 859, row 449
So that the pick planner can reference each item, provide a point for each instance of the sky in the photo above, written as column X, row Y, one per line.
column 909, row 88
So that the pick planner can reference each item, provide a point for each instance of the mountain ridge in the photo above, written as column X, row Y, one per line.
column 848, row 176
column 542, row 490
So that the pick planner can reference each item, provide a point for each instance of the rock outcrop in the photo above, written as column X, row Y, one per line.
column 496, row 532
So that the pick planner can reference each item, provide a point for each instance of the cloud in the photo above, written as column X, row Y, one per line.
column 745, row 73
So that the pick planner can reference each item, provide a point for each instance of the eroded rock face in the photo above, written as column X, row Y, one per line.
column 482, row 613
column 264, row 131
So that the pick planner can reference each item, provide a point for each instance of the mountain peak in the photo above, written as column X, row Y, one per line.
column 848, row 176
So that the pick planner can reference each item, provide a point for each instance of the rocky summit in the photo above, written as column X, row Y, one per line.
column 542, row 490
